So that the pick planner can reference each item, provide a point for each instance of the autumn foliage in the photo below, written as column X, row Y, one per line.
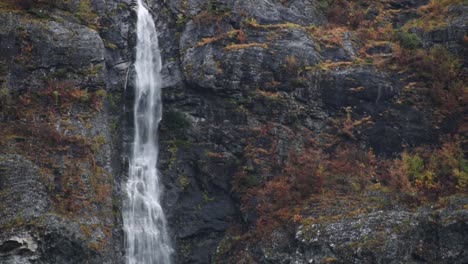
column 313, row 170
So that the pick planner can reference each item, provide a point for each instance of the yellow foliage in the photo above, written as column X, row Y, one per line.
column 434, row 14
column 206, row 41
column 233, row 47
column 254, row 24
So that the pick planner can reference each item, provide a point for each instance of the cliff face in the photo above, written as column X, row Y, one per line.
column 283, row 126
column 63, row 67
column 272, row 90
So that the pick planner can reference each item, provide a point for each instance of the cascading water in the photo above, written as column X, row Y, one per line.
column 146, row 237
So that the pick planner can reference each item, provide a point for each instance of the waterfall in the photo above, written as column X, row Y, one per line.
column 146, row 237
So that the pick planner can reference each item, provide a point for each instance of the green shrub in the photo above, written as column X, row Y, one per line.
column 440, row 65
column 176, row 123
column 408, row 40
column 437, row 170
column 86, row 13
column 183, row 181
column 452, row 165
column 414, row 166
column 101, row 93
column 217, row 8
column 5, row 98
column 324, row 4
column 461, row 174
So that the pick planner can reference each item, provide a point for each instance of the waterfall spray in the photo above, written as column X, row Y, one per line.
column 145, row 226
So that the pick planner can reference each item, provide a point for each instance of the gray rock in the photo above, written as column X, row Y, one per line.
column 244, row 69
column 22, row 191
column 213, row 98
column 39, row 51
column 388, row 237
column 303, row 12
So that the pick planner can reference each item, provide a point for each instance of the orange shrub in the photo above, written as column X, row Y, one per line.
column 431, row 172
column 273, row 203
column 306, row 170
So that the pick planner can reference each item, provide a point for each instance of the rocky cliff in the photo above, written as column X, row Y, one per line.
column 63, row 69
column 293, row 132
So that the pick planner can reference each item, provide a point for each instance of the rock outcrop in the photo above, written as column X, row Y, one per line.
column 63, row 70
column 255, row 64
column 247, row 85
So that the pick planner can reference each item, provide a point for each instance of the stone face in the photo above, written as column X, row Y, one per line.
column 59, row 196
column 239, row 77
column 304, row 12
column 231, row 90
column 23, row 194
column 35, row 49
column 248, row 69
column 368, row 92
column 19, row 249
column 451, row 34
column 387, row 237
column 30, row 232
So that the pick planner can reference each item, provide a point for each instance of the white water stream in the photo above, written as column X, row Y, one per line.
column 146, row 237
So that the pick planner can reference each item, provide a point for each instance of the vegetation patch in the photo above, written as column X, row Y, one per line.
column 177, row 124
column 408, row 40
column 40, row 128
column 87, row 15
column 434, row 15
column 233, row 47
column 229, row 35
column 317, row 184
column 254, row 24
